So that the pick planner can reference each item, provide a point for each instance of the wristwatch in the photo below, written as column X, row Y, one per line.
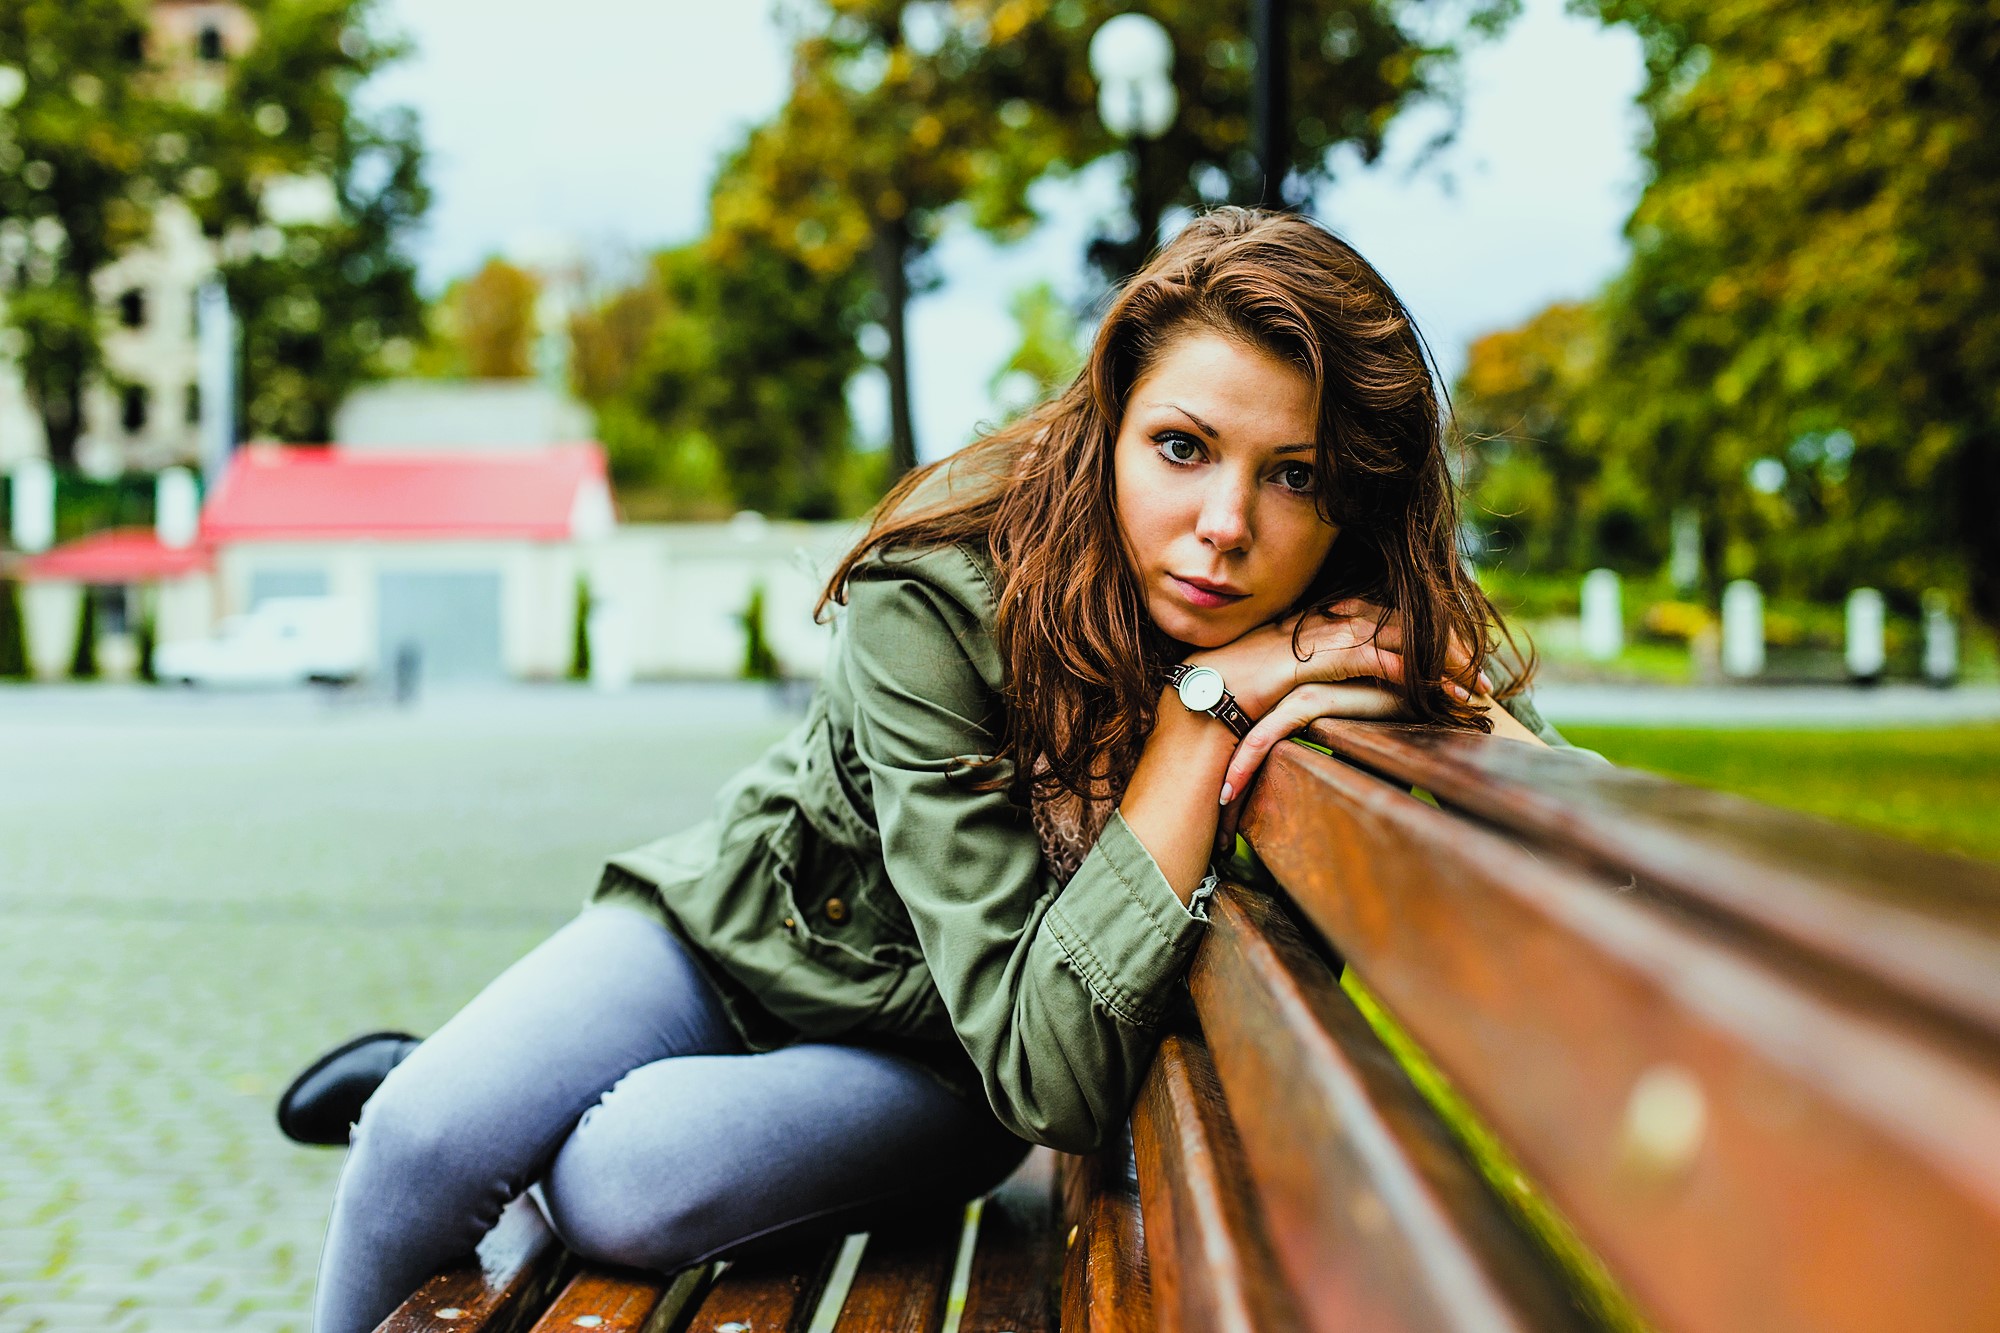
column 1202, row 691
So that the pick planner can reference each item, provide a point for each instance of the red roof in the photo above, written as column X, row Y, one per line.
column 279, row 492
column 120, row 555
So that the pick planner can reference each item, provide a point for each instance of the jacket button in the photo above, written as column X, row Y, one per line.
column 836, row 910
column 791, row 924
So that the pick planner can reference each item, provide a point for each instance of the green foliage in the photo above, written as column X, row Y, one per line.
column 720, row 384
column 79, row 178
column 85, row 505
column 1049, row 353
column 1548, row 484
column 483, row 327
column 759, row 662
column 83, row 659
column 148, row 636
column 1811, row 292
column 325, row 303
column 579, row 653
column 896, row 114
column 903, row 117
column 13, row 638
column 115, row 118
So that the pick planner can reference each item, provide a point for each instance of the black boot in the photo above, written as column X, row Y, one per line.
column 323, row 1103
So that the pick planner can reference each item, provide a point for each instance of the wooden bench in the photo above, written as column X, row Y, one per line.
column 1610, row 1053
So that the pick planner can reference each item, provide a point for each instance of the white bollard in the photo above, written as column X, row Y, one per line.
column 176, row 508
column 1603, row 616
column 1684, row 564
column 1742, row 629
column 32, row 497
column 1866, row 653
column 49, row 614
column 611, row 666
column 1940, row 640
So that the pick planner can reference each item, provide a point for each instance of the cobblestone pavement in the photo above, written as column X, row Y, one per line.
column 201, row 892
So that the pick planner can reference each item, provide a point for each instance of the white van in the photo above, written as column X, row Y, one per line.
column 283, row 641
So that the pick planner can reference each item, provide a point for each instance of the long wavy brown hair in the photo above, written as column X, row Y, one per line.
column 1083, row 658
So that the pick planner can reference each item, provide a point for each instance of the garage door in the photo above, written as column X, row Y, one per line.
column 268, row 583
column 451, row 617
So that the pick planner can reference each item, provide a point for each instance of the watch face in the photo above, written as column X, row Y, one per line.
column 1201, row 689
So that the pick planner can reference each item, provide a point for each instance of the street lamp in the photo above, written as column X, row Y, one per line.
column 1132, row 58
column 1271, row 115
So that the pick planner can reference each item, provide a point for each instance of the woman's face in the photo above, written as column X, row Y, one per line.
column 1215, row 488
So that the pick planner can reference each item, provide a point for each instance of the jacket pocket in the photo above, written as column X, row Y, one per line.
column 837, row 906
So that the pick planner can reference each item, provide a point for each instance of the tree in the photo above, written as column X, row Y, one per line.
column 484, row 327
column 1807, row 339
column 308, row 200
column 312, row 203
column 720, row 383
column 80, row 174
column 1545, row 478
column 903, row 114
column 1049, row 352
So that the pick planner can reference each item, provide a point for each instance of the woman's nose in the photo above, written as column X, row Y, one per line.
column 1224, row 521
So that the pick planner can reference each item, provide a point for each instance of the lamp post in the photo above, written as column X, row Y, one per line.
column 1270, row 24
column 1132, row 58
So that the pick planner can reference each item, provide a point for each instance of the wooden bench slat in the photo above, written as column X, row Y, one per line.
column 1744, row 1151
column 519, row 1263
column 1104, row 1282
column 775, row 1292
column 1210, row 1263
column 1378, row 1218
column 904, row 1277
column 1015, row 1266
column 1922, row 927
column 602, row 1300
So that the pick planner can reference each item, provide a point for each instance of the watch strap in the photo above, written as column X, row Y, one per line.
column 1231, row 715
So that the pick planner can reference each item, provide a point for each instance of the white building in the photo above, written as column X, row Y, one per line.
column 474, row 560
column 148, row 293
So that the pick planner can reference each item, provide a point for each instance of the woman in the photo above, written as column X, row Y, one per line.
column 949, row 913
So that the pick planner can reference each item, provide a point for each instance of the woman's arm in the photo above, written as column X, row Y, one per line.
column 1347, row 654
column 1055, row 991
column 1172, row 800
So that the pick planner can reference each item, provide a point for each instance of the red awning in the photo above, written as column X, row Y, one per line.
column 121, row 555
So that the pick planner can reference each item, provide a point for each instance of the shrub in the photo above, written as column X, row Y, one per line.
column 13, row 641
column 83, row 663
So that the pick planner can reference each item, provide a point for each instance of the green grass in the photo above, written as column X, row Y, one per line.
column 1938, row 786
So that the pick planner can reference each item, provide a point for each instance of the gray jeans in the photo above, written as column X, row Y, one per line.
column 601, row 1067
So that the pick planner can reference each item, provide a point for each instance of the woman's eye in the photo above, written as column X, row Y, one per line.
column 1296, row 477
column 1178, row 449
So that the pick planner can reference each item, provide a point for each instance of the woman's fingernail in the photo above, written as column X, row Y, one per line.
column 1459, row 690
column 1228, row 793
column 1486, row 682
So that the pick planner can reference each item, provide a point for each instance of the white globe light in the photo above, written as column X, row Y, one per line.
column 1131, row 47
column 1145, row 108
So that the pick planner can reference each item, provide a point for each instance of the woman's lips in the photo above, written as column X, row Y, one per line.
column 1206, row 598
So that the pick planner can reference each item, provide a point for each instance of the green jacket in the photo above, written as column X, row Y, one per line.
column 854, row 885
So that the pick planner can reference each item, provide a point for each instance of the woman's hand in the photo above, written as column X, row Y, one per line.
column 1352, row 653
column 1348, row 641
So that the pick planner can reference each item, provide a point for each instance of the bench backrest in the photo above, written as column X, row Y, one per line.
column 1701, row 1064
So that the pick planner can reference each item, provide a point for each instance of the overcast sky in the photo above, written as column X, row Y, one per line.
column 597, row 126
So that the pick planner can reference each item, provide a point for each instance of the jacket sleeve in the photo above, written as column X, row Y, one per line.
column 1056, row 993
